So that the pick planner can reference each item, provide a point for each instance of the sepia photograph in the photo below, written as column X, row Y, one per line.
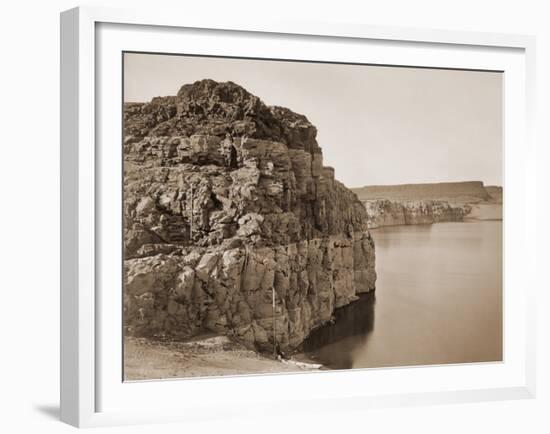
column 289, row 216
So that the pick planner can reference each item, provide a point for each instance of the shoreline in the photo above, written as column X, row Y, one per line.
column 211, row 355
column 466, row 220
column 206, row 356
column 477, row 213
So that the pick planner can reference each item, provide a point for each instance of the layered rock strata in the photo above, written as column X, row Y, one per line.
column 232, row 224
column 385, row 212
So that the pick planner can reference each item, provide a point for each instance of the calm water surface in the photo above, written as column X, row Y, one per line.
column 438, row 299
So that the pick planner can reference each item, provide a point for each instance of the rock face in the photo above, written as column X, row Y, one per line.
column 384, row 212
column 229, row 211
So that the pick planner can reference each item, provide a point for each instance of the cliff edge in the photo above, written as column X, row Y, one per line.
column 232, row 224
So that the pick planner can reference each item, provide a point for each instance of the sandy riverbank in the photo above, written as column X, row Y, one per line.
column 146, row 359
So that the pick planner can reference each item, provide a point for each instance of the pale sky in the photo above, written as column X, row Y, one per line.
column 376, row 125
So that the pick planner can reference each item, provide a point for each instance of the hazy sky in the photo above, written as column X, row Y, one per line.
column 376, row 125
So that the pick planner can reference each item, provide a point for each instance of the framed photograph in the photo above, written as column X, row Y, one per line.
column 248, row 209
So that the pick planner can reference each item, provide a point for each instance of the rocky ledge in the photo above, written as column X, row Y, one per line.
column 232, row 224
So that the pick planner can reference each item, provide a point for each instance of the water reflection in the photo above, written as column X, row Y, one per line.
column 398, row 235
column 334, row 344
column 438, row 300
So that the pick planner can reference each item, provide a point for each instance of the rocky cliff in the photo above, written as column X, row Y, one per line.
column 228, row 210
column 384, row 212
column 409, row 204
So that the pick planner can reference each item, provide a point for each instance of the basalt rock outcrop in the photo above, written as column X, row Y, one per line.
column 385, row 212
column 410, row 204
column 232, row 224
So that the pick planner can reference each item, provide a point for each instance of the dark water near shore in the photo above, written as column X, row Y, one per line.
column 438, row 300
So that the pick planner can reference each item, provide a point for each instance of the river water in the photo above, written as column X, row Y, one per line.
column 438, row 300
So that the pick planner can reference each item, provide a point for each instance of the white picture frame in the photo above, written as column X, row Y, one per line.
column 92, row 391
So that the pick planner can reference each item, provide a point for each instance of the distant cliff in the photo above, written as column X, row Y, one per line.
column 232, row 224
column 406, row 204
column 384, row 212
